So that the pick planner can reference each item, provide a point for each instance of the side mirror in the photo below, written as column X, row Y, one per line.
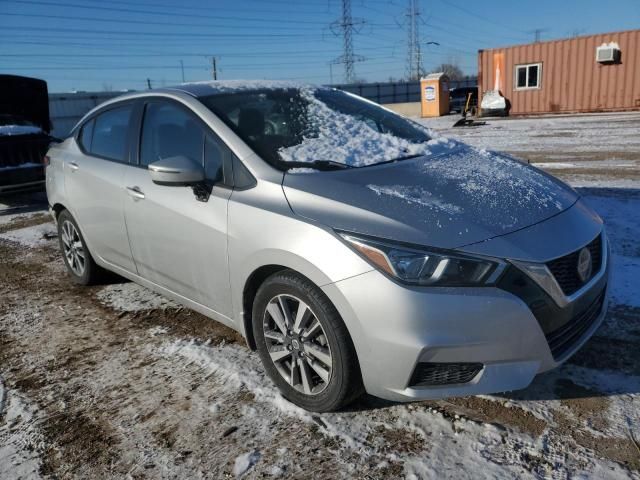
column 176, row 171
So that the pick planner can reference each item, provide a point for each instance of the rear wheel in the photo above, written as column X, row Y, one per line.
column 304, row 345
column 77, row 258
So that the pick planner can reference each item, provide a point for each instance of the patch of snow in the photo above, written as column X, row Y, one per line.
column 553, row 165
column 244, row 462
column 22, row 165
column 275, row 471
column 131, row 297
column 158, row 330
column 446, row 446
column 417, row 196
column 231, row 86
column 34, row 236
column 12, row 217
column 11, row 130
column 20, row 441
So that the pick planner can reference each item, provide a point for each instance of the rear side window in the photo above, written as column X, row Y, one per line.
column 109, row 139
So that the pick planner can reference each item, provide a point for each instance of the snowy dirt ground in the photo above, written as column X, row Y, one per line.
column 114, row 381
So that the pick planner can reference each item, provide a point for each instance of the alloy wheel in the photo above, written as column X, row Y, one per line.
column 73, row 248
column 297, row 344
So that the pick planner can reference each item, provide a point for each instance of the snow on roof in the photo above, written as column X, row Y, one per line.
column 212, row 87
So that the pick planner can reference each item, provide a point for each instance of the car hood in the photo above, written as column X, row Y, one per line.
column 25, row 98
column 454, row 197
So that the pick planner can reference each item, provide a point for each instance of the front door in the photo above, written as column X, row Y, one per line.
column 178, row 241
column 94, row 178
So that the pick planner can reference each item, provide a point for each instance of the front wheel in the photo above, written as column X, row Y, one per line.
column 304, row 345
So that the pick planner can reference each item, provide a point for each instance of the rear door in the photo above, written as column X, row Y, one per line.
column 178, row 241
column 94, row 183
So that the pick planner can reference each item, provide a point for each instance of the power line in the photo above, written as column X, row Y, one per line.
column 149, row 12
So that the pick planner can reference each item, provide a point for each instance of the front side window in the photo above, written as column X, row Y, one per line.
column 306, row 124
column 169, row 131
column 528, row 76
column 109, row 136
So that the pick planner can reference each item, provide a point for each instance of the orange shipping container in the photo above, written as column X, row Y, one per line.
column 563, row 76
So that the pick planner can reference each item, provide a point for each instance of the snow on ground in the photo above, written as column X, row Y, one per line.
column 34, row 236
column 131, row 297
column 555, row 137
column 20, row 441
column 584, row 150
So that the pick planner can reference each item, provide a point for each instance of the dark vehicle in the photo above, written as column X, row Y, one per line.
column 24, row 132
column 458, row 99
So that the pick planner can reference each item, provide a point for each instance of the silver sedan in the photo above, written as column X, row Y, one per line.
column 353, row 248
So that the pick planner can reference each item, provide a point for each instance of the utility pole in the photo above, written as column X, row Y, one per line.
column 149, row 83
column 214, row 68
column 537, row 34
column 414, row 51
column 345, row 27
column 182, row 68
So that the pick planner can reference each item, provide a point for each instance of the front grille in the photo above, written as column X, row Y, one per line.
column 431, row 374
column 565, row 269
column 562, row 339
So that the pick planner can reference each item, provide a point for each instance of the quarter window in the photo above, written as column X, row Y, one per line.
column 86, row 135
column 109, row 137
column 528, row 76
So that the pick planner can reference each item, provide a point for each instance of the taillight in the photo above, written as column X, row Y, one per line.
column 46, row 160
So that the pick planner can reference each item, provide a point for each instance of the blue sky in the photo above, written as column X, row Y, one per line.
column 96, row 44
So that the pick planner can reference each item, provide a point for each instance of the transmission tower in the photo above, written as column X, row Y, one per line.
column 414, row 52
column 345, row 27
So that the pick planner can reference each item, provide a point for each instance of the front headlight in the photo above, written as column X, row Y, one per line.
column 425, row 266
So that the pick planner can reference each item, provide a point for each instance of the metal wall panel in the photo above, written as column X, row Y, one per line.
column 572, row 80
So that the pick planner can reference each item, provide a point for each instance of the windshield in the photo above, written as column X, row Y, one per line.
column 306, row 125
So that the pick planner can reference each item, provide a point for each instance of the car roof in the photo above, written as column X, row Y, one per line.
column 203, row 89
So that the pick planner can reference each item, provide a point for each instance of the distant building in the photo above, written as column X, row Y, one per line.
column 594, row 73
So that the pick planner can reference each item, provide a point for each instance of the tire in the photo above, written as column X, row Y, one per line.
column 309, row 344
column 90, row 273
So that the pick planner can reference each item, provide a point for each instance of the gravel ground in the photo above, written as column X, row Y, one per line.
column 114, row 381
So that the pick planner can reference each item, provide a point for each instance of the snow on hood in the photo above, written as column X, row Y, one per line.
column 448, row 199
column 345, row 139
column 11, row 130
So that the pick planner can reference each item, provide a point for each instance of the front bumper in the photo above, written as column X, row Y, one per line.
column 394, row 328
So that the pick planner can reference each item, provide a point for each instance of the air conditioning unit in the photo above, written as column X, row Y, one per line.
column 608, row 53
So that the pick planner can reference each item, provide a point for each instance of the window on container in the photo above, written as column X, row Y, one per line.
column 528, row 76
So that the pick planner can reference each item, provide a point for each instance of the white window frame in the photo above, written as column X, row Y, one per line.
column 538, row 80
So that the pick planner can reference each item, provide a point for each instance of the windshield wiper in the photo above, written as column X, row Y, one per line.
column 317, row 165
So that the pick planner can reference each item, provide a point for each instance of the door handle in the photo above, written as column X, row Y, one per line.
column 73, row 166
column 135, row 192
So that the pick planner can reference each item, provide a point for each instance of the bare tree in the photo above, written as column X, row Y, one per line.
column 453, row 71
column 107, row 87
